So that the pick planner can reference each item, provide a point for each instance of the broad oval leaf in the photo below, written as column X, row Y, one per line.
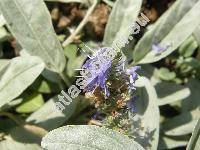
column 123, row 14
column 173, row 28
column 30, row 22
column 21, row 72
column 87, row 137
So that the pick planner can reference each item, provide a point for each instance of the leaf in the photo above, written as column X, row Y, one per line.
column 150, row 72
column 173, row 28
column 6, row 125
column 172, row 142
column 44, row 86
column 23, row 135
column 192, row 102
column 123, row 14
column 21, row 73
column 191, row 63
column 3, row 34
column 10, row 144
column 194, row 143
column 11, row 104
column 197, row 34
column 30, row 23
column 165, row 74
column 170, row 92
column 30, row 103
column 2, row 20
column 51, row 76
column 188, row 47
column 70, row 51
column 147, row 114
column 182, row 124
column 47, row 118
column 87, row 137
column 3, row 63
column 74, row 61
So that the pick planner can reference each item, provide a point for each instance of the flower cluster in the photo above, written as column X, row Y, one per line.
column 110, row 85
column 101, row 68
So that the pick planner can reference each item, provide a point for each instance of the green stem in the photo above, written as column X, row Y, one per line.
column 12, row 117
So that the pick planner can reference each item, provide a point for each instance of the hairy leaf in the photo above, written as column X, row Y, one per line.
column 169, row 92
column 165, row 74
column 88, row 138
column 173, row 28
column 21, row 72
column 10, row 144
column 3, row 63
column 47, row 117
column 172, row 142
column 192, row 102
column 123, row 14
column 30, row 22
column 182, row 124
column 188, row 47
column 147, row 117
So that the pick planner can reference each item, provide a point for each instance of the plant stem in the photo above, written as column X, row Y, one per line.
column 12, row 117
column 81, row 25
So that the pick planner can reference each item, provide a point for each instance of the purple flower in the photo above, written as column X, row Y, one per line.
column 159, row 48
column 132, row 76
column 99, row 68
column 131, row 104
